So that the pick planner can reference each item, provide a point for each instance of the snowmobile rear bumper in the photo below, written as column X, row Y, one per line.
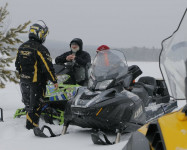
column 48, row 117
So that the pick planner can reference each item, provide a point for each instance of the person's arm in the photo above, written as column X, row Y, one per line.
column 62, row 58
column 46, row 64
column 17, row 63
column 83, row 60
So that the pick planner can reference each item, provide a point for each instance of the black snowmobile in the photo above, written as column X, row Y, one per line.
column 112, row 102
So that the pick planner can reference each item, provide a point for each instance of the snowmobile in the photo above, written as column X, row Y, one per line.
column 112, row 102
column 169, row 131
column 55, row 100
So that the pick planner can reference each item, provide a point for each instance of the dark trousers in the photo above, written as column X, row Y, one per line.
column 31, row 95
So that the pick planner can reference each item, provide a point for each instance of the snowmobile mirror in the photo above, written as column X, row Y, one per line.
column 1, row 119
column 127, row 81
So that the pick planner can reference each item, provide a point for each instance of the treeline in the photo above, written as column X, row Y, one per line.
column 141, row 54
column 132, row 54
column 57, row 48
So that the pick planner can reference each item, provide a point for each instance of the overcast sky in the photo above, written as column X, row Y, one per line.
column 117, row 23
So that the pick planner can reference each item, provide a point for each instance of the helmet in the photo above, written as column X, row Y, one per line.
column 102, row 47
column 38, row 31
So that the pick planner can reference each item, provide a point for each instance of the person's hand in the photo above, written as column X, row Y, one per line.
column 68, row 58
column 72, row 57
column 56, row 86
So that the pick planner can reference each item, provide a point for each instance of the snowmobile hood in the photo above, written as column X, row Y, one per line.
column 173, row 61
column 86, row 98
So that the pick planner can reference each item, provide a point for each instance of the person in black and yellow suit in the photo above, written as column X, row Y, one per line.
column 34, row 64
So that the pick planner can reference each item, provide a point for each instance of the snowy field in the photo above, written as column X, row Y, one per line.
column 14, row 135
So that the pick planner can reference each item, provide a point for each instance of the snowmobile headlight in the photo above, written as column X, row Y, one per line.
column 62, row 78
column 103, row 85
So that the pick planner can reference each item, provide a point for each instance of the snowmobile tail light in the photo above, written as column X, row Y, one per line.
column 103, row 85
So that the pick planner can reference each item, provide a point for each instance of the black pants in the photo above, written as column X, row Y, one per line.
column 31, row 95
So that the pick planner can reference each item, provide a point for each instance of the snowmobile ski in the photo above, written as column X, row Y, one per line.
column 39, row 132
column 100, row 138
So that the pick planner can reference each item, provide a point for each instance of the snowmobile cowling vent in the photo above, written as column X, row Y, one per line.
column 154, row 136
column 87, row 97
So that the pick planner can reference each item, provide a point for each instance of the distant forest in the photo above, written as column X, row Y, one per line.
column 132, row 54
column 57, row 48
column 142, row 54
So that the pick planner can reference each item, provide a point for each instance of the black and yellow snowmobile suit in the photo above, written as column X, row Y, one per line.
column 34, row 64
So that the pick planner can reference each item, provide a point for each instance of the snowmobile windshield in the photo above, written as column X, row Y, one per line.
column 173, row 61
column 109, row 64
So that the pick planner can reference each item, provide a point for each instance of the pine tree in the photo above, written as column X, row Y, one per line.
column 8, row 40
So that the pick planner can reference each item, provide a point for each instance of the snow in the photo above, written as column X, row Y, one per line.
column 14, row 135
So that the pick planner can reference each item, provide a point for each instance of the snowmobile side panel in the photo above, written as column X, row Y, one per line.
column 171, row 127
column 108, row 114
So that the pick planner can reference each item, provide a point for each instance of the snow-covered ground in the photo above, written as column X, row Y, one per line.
column 14, row 135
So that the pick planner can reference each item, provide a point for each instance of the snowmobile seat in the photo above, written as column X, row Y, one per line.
column 140, row 90
column 150, row 84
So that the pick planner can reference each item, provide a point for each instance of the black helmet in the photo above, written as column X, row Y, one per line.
column 38, row 31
